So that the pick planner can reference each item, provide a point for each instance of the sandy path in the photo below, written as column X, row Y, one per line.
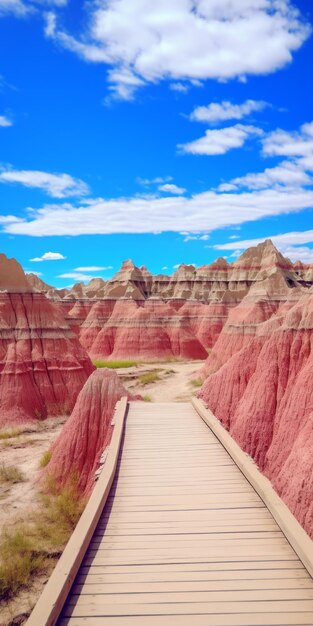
column 174, row 384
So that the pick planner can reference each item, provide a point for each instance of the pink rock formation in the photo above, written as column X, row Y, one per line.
column 107, row 314
column 262, row 392
column 77, row 450
column 42, row 364
column 149, row 329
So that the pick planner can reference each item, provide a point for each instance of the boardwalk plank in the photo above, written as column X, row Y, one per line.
column 184, row 538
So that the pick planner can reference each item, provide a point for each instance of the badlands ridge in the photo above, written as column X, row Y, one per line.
column 250, row 322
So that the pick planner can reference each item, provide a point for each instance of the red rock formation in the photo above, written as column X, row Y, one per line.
column 107, row 313
column 148, row 329
column 77, row 450
column 42, row 364
column 263, row 395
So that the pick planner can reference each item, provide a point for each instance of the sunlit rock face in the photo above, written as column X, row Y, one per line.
column 260, row 387
column 185, row 313
column 77, row 450
column 42, row 363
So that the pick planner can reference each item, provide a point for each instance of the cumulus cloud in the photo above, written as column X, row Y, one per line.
column 294, row 144
column 49, row 256
column 222, row 111
column 220, row 141
column 294, row 171
column 145, row 42
column 173, row 189
column 205, row 211
column 92, row 268
column 55, row 185
column 5, row 121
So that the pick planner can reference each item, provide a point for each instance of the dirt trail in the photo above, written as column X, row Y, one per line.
column 174, row 384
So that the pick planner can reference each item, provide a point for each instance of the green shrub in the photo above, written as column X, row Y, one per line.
column 114, row 364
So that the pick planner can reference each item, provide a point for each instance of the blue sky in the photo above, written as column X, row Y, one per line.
column 167, row 135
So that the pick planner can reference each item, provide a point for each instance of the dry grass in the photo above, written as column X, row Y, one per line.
column 10, row 474
column 9, row 434
column 149, row 377
column 196, row 382
column 32, row 545
column 147, row 398
column 45, row 459
column 115, row 364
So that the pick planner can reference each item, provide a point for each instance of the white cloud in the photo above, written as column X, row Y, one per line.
column 288, row 243
column 300, row 253
column 77, row 276
column 49, row 256
column 286, row 173
column 222, row 111
column 33, row 272
column 284, row 240
column 171, row 188
column 92, row 268
column 5, row 121
column 15, row 7
column 145, row 42
column 294, row 172
column 10, row 219
column 294, row 144
column 205, row 211
column 55, row 185
column 220, row 141
column 146, row 182
column 189, row 237
column 22, row 8
column 181, row 87
column 165, row 267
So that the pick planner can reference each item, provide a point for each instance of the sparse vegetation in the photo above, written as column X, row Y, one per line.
column 147, row 398
column 149, row 377
column 196, row 382
column 10, row 474
column 115, row 364
column 32, row 546
column 9, row 434
column 45, row 459
column 19, row 562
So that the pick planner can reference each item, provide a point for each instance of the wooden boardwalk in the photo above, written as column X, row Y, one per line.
column 184, row 539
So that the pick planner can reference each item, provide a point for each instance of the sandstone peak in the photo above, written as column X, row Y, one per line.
column 128, row 264
column 221, row 262
column 12, row 276
column 264, row 254
column 37, row 283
